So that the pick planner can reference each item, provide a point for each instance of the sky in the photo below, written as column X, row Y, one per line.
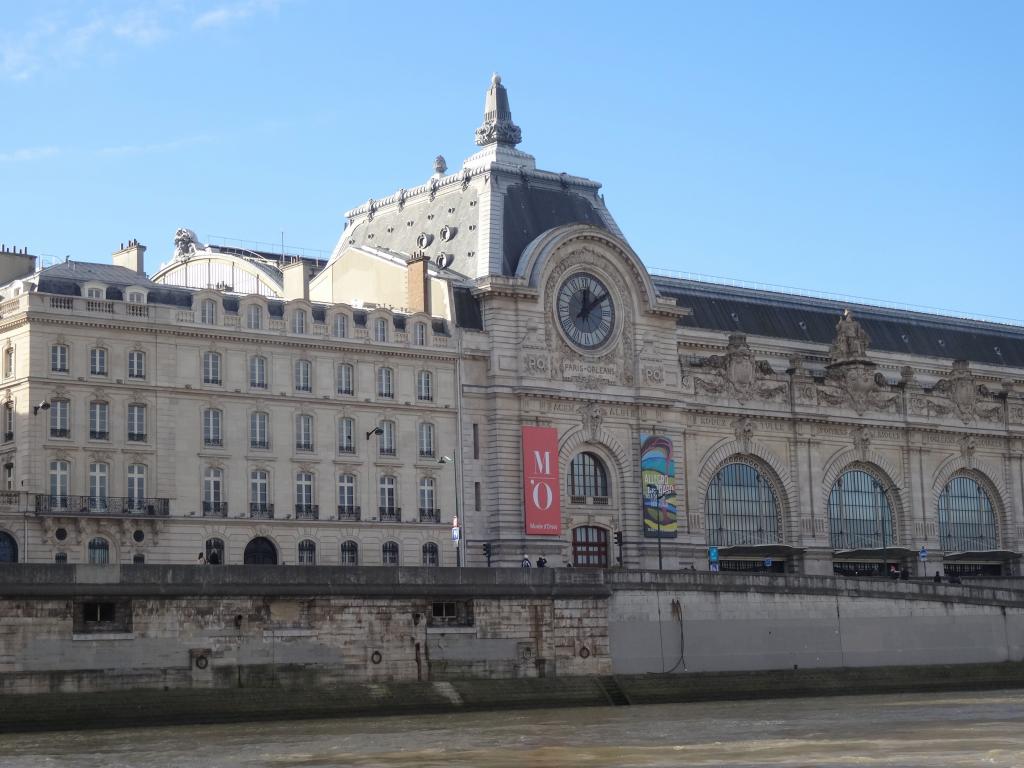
column 868, row 149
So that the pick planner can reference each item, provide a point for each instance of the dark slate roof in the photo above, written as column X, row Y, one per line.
column 765, row 313
column 530, row 211
column 467, row 309
column 83, row 271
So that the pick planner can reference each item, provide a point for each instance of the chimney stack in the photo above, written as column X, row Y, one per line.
column 131, row 257
column 418, row 283
column 296, row 279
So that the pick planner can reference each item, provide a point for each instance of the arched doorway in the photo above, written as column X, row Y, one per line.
column 8, row 548
column 589, row 547
column 260, row 551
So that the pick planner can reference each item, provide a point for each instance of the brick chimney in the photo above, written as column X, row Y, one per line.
column 418, row 284
column 131, row 257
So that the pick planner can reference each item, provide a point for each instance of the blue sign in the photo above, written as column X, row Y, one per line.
column 923, row 554
column 713, row 555
column 714, row 567
column 767, row 562
column 455, row 534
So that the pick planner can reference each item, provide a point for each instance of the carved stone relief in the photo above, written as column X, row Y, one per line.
column 736, row 374
column 959, row 394
column 851, row 379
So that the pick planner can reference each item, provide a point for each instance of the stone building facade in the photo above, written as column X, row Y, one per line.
column 397, row 377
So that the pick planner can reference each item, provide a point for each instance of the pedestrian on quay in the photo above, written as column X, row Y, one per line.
column 542, row 562
column 526, row 562
column 202, row 559
column 937, row 578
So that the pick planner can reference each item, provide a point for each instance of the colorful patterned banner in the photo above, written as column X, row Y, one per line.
column 658, row 485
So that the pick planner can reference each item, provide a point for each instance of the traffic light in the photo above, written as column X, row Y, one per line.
column 618, row 538
column 487, row 552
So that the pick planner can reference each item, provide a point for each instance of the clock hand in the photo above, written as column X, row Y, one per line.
column 594, row 303
column 584, row 310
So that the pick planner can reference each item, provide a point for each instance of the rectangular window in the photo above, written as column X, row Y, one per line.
column 211, row 368
column 102, row 616
column 98, row 361
column 476, row 441
column 346, row 436
column 259, row 430
column 211, row 427
column 8, row 422
column 136, row 422
column 476, row 496
column 95, row 293
column 9, row 476
column 136, row 364
column 387, row 438
column 59, row 358
column 303, row 432
column 303, row 376
column 345, row 379
column 8, row 362
column 60, row 418
column 99, row 427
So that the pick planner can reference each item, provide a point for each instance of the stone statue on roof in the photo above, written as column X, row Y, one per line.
column 851, row 342
column 186, row 243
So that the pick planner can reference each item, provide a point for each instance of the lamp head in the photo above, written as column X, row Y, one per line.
column 444, row 460
column 375, row 431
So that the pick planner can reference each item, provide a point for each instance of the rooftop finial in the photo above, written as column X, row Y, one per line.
column 497, row 127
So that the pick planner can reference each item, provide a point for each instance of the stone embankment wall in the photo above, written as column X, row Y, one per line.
column 89, row 629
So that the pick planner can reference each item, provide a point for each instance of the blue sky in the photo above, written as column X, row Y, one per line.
column 871, row 149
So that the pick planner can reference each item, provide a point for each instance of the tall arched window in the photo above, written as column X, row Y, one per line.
column 431, row 555
column 386, row 442
column 303, row 376
column 8, row 548
column 299, row 321
column 346, row 435
column 341, row 326
column 305, row 509
column 211, row 368
column 254, row 317
column 304, row 432
column 387, row 493
column 208, row 312
column 99, row 551
column 99, row 485
column 428, row 509
column 259, row 495
column 419, row 334
column 346, row 379
column 347, row 509
column 859, row 513
column 213, row 493
column 215, row 551
column 424, row 386
column 385, row 382
column 259, row 430
column 260, row 551
column 741, row 508
column 967, row 518
column 258, row 372
column 60, row 472
column 349, row 553
column 390, row 552
column 587, row 476
column 307, row 552
column 213, row 418
column 426, row 439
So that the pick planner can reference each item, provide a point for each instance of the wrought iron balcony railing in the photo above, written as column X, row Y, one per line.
column 430, row 515
column 136, row 437
column 96, row 434
column 307, row 511
column 390, row 514
column 101, row 505
column 60, row 432
column 346, row 448
column 304, row 447
column 215, row 509
column 259, row 511
column 348, row 512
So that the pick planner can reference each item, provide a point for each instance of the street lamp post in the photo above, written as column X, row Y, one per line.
column 654, row 495
column 458, row 542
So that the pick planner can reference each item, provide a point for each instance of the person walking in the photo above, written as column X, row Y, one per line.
column 526, row 562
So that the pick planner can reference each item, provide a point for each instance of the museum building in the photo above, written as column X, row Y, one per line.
column 486, row 345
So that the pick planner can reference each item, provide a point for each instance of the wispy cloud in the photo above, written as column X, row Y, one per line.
column 234, row 12
column 59, row 38
column 28, row 154
column 149, row 149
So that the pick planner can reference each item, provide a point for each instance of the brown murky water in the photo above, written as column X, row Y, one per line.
column 914, row 731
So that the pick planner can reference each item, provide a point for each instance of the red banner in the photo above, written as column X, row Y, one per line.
column 542, row 512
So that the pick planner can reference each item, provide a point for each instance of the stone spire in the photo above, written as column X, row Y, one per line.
column 497, row 127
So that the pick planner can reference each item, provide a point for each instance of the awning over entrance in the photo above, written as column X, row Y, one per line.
column 760, row 551
column 874, row 553
column 982, row 555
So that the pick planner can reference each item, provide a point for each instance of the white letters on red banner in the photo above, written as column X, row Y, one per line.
column 542, row 513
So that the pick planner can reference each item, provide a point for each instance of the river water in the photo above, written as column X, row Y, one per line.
column 912, row 731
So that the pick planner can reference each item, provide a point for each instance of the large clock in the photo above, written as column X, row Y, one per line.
column 585, row 310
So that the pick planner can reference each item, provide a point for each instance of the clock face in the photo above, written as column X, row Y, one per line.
column 585, row 310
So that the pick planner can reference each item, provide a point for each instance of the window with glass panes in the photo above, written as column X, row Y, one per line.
column 136, row 422
column 303, row 381
column 349, row 553
column 59, row 358
column 380, row 329
column 99, row 422
column 212, row 419
column 136, row 364
column 967, row 517
column 8, row 420
column 60, row 418
column 426, row 439
column 341, row 326
column 303, row 489
column 346, row 380
column 386, row 442
column 387, row 493
column 307, row 552
column 389, row 553
column 587, row 476
column 258, row 372
column 419, row 334
column 346, row 493
column 136, row 482
column 431, row 555
column 346, row 435
column 211, row 368
column 304, row 432
column 60, row 474
column 99, row 551
column 99, row 475
column 254, row 317
column 299, row 321
column 385, row 382
column 424, row 386
column 208, row 312
column 741, row 508
column 427, row 496
column 859, row 513
column 259, row 488
column 213, row 485
column 259, row 430
column 98, row 361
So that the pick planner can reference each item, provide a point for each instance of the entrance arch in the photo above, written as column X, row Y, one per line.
column 260, row 551
column 8, row 548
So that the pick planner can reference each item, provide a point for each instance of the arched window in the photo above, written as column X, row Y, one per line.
column 426, row 439
column 304, row 432
column 99, row 484
column 213, row 419
column 967, row 518
column 99, row 551
column 390, row 552
column 590, row 547
column 419, row 334
column 98, row 361
column 431, row 555
column 258, row 372
column 859, row 513
column 349, row 553
column 587, row 476
column 299, row 321
column 380, row 329
column 741, row 508
column 307, row 552
column 346, row 379
column 260, row 551
column 303, row 376
column 424, row 386
column 208, row 312
column 60, row 558
column 254, row 317
column 215, row 551
column 347, row 509
column 385, row 382
column 211, row 368
column 341, row 326
column 138, row 559
column 8, row 548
